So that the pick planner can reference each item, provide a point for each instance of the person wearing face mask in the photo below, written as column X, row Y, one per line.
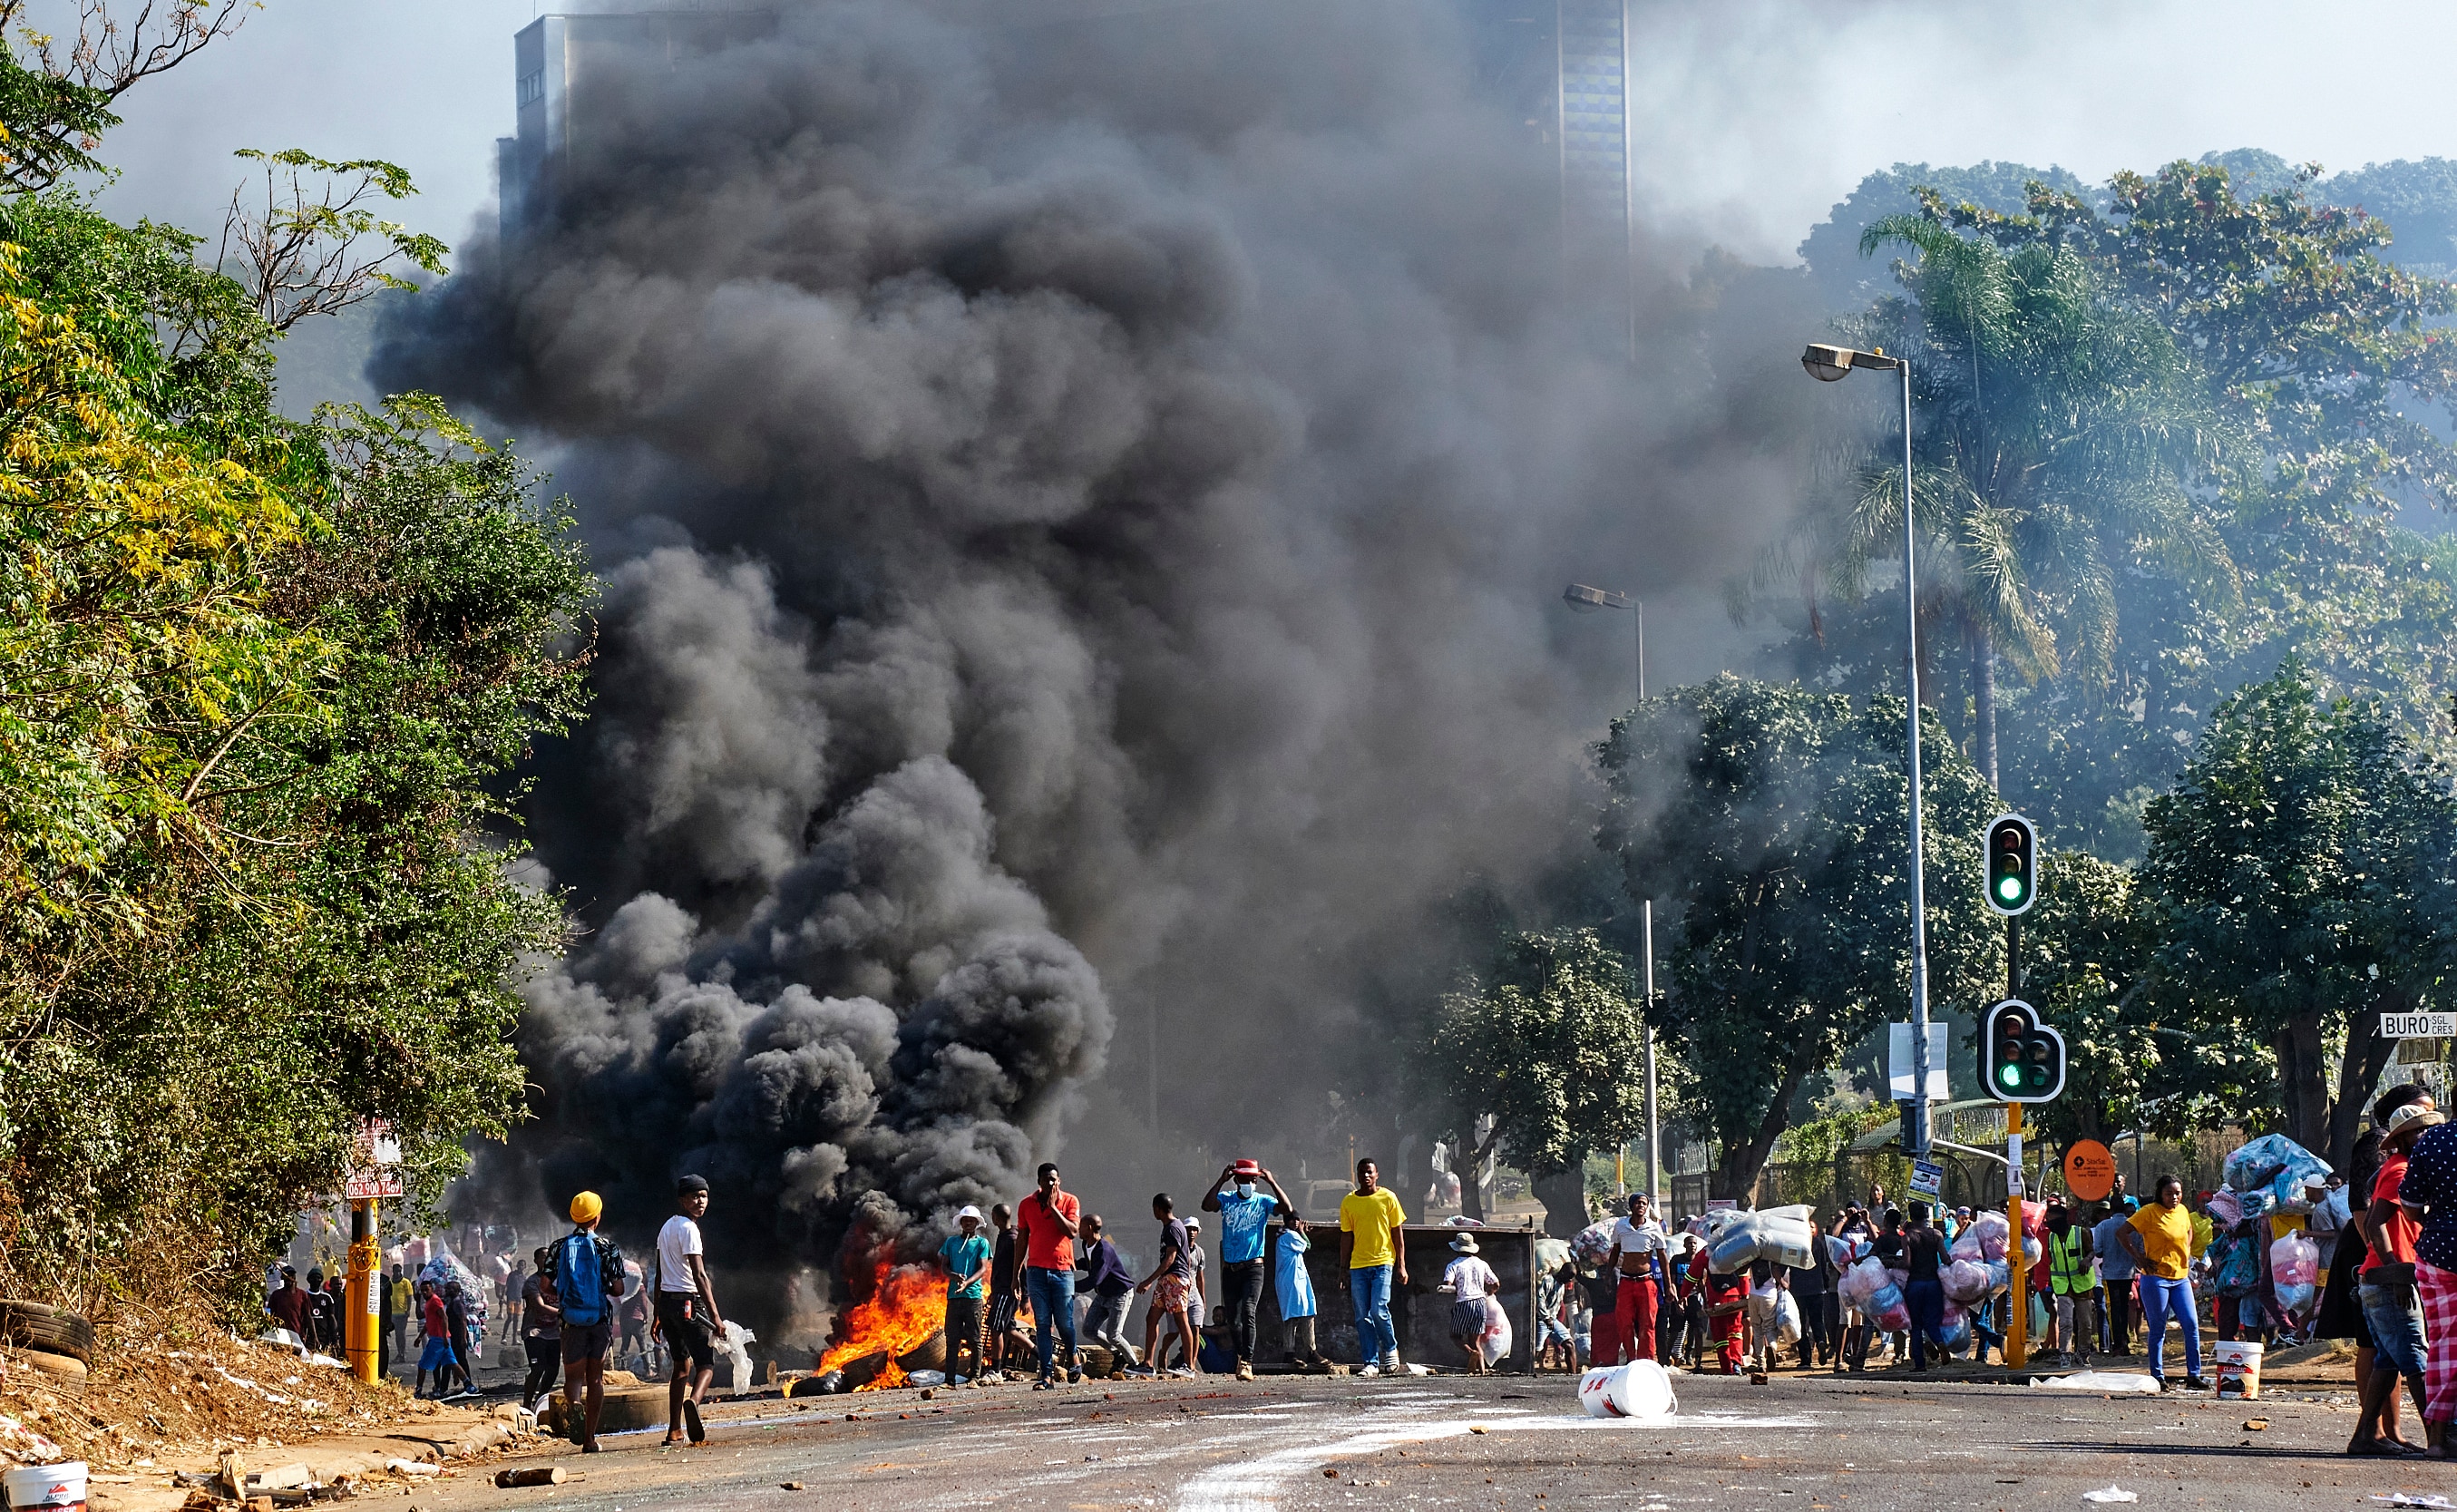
column 1244, row 1213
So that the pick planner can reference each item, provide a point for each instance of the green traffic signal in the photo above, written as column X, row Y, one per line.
column 2023, row 1059
column 2012, row 859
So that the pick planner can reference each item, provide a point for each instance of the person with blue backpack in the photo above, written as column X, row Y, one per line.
column 588, row 1277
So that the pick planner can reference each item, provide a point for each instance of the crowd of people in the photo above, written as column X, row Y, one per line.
column 1031, row 1283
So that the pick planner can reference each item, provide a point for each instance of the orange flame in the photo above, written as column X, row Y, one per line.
column 907, row 1304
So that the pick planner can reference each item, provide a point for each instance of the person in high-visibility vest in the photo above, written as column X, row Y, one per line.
column 2069, row 1284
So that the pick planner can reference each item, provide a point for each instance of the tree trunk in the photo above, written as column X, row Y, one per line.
column 1464, row 1162
column 2358, row 1071
column 1563, row 1192
column 1983, row 704
column 2303, row 1080
column 1737, row 1166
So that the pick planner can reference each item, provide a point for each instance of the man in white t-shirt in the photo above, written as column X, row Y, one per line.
column 686, row 1315
column 1640, row 1249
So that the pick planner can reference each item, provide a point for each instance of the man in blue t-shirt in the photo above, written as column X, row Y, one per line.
column 1244, row 1213
column 967, row 1257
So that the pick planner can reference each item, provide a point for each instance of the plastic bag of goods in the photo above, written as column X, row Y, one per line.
column 1786, row 1319
column 1989, row 1230
column 1860, row 1281
column 2000, row 1275
column 1956, row 1333
column 1966, row 1244
column 2296, row 1298
column 2226, row 1208
column 1965, row 1281
column 2284, row 1168
column 2031, row 1252
column 1885, row 1305
column 1593, row 1244
column 1845, row 1252
column 1779, row 1235
column 2294, row 1260
column 1638, row 1389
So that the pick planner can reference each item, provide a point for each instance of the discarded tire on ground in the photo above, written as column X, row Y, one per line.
column 54, row 1330
column 60, row 1373
column 931, row 1354
column 638, row 1407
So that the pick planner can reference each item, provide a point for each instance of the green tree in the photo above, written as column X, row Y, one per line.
column 1772, row 822
column 2056, row 431
column 2296, row 876
column 1544, row 1054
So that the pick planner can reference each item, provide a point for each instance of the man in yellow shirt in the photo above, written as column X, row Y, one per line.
column 2160, row 1238
column 1370, row 1241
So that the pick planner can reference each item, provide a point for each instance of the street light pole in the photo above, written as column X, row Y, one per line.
column 1828, row 364
column 1580, row 596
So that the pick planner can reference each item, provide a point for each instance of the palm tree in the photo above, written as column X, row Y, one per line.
column 2058, row 432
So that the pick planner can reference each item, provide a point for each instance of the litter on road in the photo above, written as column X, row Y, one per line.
column 2114, row 1493
column 2099, row 1381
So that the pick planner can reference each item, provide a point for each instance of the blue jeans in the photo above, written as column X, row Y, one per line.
column 1052, row 1294
column 2394, row 1315
column 1925, row 1301
column 2160, row 1298
column 1369, row 1287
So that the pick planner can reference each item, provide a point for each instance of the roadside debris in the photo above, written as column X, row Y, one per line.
column 2114, row 1493
column 533, row 1474
column 2100, row 1381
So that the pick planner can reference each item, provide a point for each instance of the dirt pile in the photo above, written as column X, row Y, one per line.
column 161, row 1386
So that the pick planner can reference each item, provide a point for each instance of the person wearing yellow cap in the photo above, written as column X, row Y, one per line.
column 587, row 1277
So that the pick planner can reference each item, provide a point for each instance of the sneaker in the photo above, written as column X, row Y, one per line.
column 1369, row 1370
column 1245, row 1372
column 2195, row 1383
column 1045, row 1383
column 1182, row 1373
column 1390, row 1363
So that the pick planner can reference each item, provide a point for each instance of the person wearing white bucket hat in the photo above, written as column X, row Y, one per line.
column 1477, row 1323
column 965, row 1256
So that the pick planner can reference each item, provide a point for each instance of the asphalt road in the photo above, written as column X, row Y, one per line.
column 1802, row 1444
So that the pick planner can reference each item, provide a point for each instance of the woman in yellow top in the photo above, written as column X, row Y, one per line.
column 2160, row 1238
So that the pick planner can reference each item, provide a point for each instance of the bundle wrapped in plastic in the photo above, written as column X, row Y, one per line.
column 2031, row 1252
column 2281, row 1167
column 1888, row 1309
column 1846, row 1250
column 1990, row 1229
column 1955, row 1335
column 1964, row 1281
column 2000, row 1275
column 1594, row 1243
column 1860, row 1282
column 2295, row 1272
column 2226, row 1208
column 1966, row 1244
column 1736, row 1237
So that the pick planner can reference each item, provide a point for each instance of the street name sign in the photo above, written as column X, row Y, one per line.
column 2418, row 1026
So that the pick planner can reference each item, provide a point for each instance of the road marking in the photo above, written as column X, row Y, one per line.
column 1253, row 1485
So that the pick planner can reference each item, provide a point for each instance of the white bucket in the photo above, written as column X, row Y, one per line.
column 59, row 1487
column 1638, row 1389
column 2237, row 1365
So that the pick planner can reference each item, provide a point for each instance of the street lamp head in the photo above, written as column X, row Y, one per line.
column 1587, row 600
column 1828, row 363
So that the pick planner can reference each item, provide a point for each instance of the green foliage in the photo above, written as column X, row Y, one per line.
column 2086, row 955
column 1548, row 1046
column 266, row 690
column 1772, row 821
column 2298, row 875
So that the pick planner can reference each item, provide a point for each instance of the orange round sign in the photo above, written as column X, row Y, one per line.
column 2090, row 1170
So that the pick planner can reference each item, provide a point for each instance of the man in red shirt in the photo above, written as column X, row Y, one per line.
column 2392, row 1311
column 1046, row 1221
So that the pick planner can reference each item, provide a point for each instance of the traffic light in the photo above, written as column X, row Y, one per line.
column 2012, row 858
column 2021, row 1058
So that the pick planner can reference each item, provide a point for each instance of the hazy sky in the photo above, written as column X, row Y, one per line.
column 1755, row 115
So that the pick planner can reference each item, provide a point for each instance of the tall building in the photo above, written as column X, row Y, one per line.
column 567, row 67
column 1560, row 67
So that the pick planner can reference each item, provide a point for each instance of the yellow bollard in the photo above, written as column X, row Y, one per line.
column 363, row 1329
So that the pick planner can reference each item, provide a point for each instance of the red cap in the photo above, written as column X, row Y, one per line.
column 1247, row 1168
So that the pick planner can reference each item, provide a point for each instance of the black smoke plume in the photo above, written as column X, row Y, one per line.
column 1084, row 504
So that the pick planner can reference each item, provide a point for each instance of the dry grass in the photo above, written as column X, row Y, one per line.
column 163, row 1385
